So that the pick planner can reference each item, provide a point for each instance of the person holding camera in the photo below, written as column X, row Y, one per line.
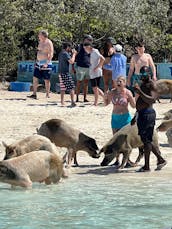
column 66, row 57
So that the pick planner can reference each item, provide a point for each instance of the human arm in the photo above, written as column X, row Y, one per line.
column 107, row 98
column 131, row 71
column 147, row 98
column 72, row 59
column 153, row 68
column 51, row 51
column 49, row 54
column 131, row 100
column 100, row 64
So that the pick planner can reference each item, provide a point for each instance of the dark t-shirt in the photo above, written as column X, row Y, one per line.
column 82, row 58
column 63, row 58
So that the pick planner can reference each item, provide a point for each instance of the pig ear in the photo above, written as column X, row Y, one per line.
column 4, row 144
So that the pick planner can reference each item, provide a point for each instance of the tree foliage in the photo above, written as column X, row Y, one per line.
column 125, row 20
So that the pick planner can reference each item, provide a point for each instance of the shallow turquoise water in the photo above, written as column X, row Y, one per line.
column 90, row 201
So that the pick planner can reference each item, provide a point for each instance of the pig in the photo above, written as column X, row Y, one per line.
column 32, row 143
column 123, row 142
column 164, row 87
column 168, row 115
column 165, row 125
column 169, row 136
column 64, row 135
column 36, row 166
column 28, row 144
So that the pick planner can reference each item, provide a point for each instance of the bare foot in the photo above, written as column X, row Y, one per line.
column 62, row 104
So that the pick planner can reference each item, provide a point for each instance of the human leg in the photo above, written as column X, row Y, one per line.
column 78, row 88
column 160, row 160
column 35, row 86
column 85, row 89
column 62, row 93
column 107, row 76
column 96, row 95
column 72, row 93
column 114, row 83
column 47, row 87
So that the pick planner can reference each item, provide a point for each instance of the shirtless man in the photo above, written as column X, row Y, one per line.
column 146, row 117
column 137, row 61
column 43, row 64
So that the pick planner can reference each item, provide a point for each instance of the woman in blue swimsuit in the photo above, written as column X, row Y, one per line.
column 120, row 98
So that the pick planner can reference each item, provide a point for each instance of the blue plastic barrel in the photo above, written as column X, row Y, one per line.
column 20, row 86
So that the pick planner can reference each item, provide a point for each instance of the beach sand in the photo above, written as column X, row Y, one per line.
column 20, row 116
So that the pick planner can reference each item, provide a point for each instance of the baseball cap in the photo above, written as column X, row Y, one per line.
column 118, row 48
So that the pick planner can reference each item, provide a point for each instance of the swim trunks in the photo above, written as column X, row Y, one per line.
column 146, row 122
column 120, row 120
column 42, row 73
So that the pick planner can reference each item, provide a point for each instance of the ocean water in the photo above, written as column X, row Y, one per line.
column 90, row 200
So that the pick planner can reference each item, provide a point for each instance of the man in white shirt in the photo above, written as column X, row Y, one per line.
column 95, row 70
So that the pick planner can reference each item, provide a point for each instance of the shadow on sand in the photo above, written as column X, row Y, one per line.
column 105, row 170
column 164, row 145
column 18, row 99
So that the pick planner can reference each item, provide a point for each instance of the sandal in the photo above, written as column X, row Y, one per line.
column 160, row 166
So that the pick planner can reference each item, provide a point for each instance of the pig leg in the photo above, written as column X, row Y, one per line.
column 24, row 181
column 48, row 181
column 70, row 157
column 124, row 160
column 75, row 160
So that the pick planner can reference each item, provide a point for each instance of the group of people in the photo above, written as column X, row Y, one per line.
column 109, row 62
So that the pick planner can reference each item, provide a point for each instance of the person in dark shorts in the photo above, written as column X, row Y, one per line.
column 95, row 70
column 66, row 81
column 43, row 65
column 146, row 117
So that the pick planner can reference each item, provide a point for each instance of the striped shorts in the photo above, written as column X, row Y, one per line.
column 66, row 82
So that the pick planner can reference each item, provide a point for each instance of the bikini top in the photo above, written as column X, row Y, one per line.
column 120, row 99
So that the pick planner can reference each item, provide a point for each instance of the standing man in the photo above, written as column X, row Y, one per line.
column 82, row 70
column 137, row 61
column 66, row 81
column 43, row 64
column 95, row 70
column 118, row 63
column 146, row 117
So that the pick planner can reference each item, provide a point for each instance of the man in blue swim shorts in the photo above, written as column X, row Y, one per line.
column 43, row 65
column 137, row 61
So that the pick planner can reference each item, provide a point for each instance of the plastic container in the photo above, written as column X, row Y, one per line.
column 20, row 86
